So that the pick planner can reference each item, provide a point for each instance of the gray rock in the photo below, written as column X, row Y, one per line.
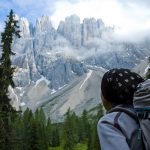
column 71, row 30
column 50, row 59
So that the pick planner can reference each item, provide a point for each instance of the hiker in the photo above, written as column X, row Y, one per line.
column 117, row 129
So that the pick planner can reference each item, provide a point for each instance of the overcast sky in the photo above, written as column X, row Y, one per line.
column 131, row 16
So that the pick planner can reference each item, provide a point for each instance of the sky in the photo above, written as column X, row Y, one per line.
column 131, row 17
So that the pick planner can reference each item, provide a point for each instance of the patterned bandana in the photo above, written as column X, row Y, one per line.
column 119, row 85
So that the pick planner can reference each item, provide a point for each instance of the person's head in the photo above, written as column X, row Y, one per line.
column 118, row 87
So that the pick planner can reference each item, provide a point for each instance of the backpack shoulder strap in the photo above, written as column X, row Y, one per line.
column 128, row 112
column 119, row 110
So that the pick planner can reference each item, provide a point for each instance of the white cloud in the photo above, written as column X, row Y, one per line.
column 1, row 26
column 129, row 16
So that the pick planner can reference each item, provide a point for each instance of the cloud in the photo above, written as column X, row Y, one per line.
column 1, row 26
column 130, row 17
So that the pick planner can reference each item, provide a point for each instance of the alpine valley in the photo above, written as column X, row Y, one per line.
column 61, row 68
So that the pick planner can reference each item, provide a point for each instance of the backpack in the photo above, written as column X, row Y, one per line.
column 141, row 105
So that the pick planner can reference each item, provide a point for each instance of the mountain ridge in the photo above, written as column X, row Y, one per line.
column 48, row 59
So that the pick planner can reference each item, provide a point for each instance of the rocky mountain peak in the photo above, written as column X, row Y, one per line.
column 71, row 30
column 73, row 19
column 43, row 25
column 92, row 28
column 24, row 27
column 42, row 65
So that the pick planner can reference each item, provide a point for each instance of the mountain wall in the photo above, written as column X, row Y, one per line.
column 48, row 60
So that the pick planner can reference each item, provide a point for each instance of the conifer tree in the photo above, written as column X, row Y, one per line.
column 28, row 132
column 40, row 125
column 49, row 132
column 93, row 140
column 85, row 123
column 17, row 130
column 55, row 137
column 89, row 141
column 6, row 79
column 6, row 70
column 69, row 138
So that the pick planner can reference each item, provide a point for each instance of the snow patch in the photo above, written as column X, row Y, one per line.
column 62, row 87
column 87, row 77
column 72, row 72
column 21, row 94
column 53, row 91
column 20, row 88
column 16, row 97
column 49, row 53
column 146, row 69
column 42, row 79
column 22, row 104
column 98, row 67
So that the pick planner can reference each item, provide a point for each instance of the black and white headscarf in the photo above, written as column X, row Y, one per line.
column 119, row 85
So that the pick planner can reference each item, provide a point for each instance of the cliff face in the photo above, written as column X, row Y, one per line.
column 43, row 50
column 47, row 59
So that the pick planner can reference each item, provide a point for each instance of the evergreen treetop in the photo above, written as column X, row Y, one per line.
column 6, row 70
column 7, row 112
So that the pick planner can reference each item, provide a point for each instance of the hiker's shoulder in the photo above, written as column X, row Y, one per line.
column 119, row 115
column 108, row 118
